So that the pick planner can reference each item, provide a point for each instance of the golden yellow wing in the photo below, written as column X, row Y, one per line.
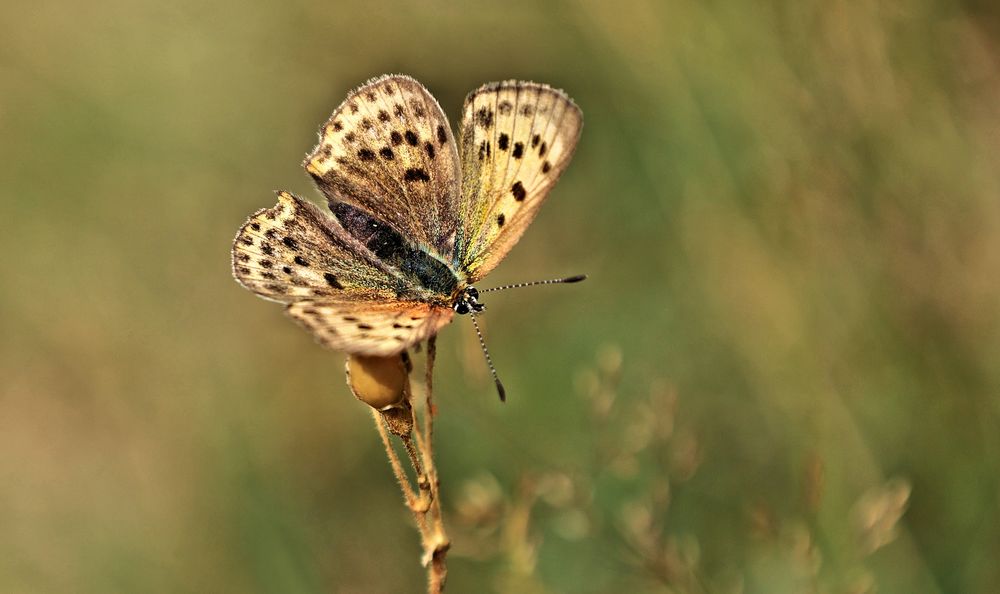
column 516, row 139
column 389, row 150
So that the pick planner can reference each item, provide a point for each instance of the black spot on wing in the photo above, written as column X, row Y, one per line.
column 442, row 136
column 411, row 138
column 485, row 117
column 301, row 261
column 386, row 153
column 501, row 219
column 546, row 166
column 503, row 142
column 430, row 149
column 366, row 154
column 383, row 115
column 415, row 174
column 291, row 243
column 518, row 191
column 396, row 138
column 518, row 150
column 534, row 140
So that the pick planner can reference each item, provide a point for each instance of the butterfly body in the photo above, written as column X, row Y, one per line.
column 418, row 266
column 417, row 218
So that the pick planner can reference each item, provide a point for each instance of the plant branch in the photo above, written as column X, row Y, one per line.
column 424, row 502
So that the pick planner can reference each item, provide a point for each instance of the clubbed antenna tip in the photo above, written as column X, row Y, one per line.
column 554, row 281
column 482, row 343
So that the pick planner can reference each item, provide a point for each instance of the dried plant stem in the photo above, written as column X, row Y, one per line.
column 424, row 502
column 429, row 386
column 397, row 468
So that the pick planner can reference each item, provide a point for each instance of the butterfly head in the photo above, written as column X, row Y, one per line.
column 467, row 301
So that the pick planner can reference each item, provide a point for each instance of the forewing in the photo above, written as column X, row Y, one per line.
column 516, row 139
column 389, row 149
column 372, row 328
column 293, row 251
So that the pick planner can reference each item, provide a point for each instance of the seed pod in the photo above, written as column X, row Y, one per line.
column 379, row 382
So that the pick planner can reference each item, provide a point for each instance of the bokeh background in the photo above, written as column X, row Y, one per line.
column 782, row 375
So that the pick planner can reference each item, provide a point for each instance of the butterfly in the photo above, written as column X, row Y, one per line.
column 417, row 218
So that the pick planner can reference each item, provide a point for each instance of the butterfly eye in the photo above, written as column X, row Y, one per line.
column 461, row 308
column 473, row 292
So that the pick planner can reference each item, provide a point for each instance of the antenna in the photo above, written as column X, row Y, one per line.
column 467, row 304
column 489, row 361
column 554, row 281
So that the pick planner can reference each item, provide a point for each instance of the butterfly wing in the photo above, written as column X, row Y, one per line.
column 516, row 139
column 388, row 149
column 371, row 328
column 293, row 251
column 296, row 254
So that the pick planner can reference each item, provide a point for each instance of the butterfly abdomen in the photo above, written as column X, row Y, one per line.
column 391, row 247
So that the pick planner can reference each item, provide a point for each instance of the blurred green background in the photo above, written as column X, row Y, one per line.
column 781, row 377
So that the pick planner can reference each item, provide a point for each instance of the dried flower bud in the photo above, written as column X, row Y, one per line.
column 379, row 382
column 878, row 512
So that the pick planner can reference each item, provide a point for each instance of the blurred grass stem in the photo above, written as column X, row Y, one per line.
column 424, row 502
